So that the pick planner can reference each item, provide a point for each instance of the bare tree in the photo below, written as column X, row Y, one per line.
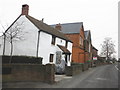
column 14, row 33
column 108, row 48
column 3, row 33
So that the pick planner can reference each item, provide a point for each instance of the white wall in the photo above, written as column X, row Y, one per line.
column 69, row 47
column 28, row 45
column 44, row 46
column 1, row 45
column 60, row 42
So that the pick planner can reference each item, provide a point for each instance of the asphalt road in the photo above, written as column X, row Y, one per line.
column 105, row 76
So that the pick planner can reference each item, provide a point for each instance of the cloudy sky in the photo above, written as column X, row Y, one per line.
column 99, row 16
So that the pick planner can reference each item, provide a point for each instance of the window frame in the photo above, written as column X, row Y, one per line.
column 81, row 41
column 53, row 40
column 66, row 44
column 51, row 57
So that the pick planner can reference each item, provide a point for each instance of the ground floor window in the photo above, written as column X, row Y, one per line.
column 51, row 57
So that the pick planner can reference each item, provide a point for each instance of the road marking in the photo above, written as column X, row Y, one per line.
column 101, row 78
column 116, row 67
column 67, row 77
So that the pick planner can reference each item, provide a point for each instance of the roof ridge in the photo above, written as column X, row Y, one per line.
column 69, row 23
column 13, row 23
column 47, row 28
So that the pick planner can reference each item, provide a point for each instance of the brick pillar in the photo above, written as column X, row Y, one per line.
column 50, row 73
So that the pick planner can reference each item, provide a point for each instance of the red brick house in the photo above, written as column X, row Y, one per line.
column 75, row 32
column 88, row 46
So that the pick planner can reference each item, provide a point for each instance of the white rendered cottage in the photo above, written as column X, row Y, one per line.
column 36, row 38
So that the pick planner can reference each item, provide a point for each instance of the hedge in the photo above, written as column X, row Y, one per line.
column 22, row 59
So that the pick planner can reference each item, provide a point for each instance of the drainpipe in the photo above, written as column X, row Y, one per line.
column 38, row 43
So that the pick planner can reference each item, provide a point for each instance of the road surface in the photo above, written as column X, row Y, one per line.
column 105, row 76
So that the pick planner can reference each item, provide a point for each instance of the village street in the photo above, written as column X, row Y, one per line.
column 105, row 76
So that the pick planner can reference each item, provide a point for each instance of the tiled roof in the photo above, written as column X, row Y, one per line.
column 70, row 28
column 46, row 28
column 94, row 48
column 64, row 49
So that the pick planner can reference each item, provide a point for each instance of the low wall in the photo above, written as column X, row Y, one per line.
column 73, row 70
column 90, row 65
column 28, row 72
column 85, row 66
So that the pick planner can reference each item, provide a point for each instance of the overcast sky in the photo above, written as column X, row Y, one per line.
column 99, row 16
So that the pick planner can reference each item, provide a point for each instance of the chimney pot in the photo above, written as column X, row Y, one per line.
column 25, row 9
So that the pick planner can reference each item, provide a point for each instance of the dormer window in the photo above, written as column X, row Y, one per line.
column 53, row 40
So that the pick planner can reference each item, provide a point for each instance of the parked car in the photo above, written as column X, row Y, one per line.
column 60, row 68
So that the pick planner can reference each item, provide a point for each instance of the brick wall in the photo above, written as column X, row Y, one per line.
column 28, row 72
column 73, row 70
column 76, row 68
column 85, row 66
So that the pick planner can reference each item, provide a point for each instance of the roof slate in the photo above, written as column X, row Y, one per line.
column 70, row 28
column 46, row 28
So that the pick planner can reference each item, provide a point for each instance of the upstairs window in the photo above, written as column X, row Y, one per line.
column 89, row 47
column 53, row 40
column 66, row 44
column 81, row 41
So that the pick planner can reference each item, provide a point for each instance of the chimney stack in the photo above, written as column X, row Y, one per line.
column 58, row 27
column 25, row 9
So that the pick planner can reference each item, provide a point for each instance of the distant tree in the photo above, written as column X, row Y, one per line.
column 108, row 48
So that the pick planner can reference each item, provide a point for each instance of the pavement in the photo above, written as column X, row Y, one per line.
column 58, row 78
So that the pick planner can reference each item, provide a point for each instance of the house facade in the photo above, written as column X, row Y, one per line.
column 35, row 38
column 88, row 46
column 75, row 32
